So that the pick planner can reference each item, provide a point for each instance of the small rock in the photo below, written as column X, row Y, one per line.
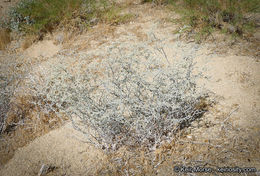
column 44, row 170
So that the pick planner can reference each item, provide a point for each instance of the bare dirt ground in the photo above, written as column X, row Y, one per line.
column 227, row 135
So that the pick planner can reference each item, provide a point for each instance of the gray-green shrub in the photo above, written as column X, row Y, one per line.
column 128, row 99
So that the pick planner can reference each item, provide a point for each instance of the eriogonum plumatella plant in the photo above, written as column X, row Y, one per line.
column 128, row 98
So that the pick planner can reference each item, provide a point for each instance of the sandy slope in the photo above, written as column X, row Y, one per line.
column 63, row 148
column 235, row 80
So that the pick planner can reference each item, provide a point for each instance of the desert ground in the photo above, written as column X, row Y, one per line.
column 227, row 135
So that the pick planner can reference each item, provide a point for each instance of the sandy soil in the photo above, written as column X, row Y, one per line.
column 63, row 148
column 45, row 48
column 227, row 135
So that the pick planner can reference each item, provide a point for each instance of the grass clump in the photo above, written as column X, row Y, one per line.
column 42, row 16
column 35, row 15
column 205, row 16
column 112, row 16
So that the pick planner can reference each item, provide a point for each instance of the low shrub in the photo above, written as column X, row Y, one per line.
column 123, row 100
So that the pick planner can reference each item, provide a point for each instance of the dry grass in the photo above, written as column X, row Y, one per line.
column 28, row 41
column 233, row 147
column 25, row 122
column 139, row 34
column 5, row 38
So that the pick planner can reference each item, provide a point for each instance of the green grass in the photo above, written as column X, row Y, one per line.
column 111, row 15
column 34, row 16
column 205, row 16
column 43, row 14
